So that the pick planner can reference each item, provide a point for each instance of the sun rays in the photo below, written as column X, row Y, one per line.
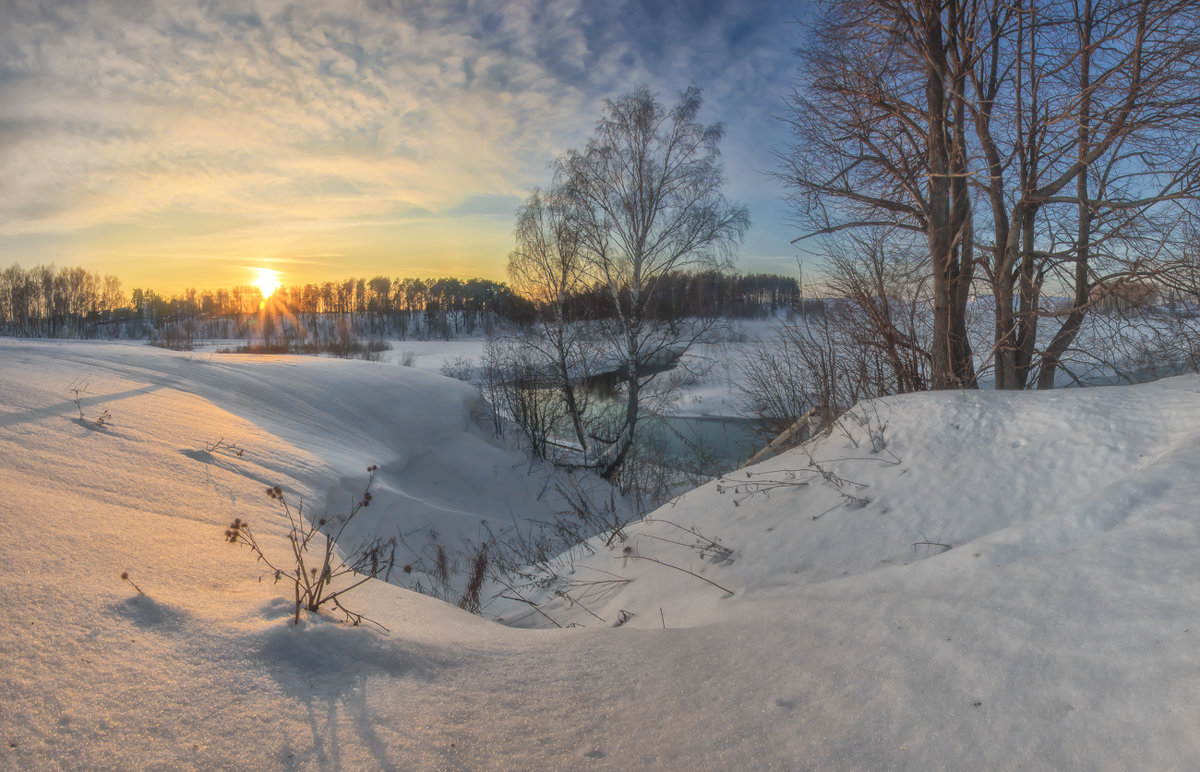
column 266, row 280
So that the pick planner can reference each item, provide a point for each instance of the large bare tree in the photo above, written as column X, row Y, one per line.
column 1082, row 112
column 647, row 202
column 880, row 121
column 1045, row 145
column 642, row 200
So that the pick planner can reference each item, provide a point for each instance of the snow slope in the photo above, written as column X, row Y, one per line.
column 1058, row 631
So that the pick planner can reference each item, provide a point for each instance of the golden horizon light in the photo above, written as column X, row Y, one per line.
column 169, row 144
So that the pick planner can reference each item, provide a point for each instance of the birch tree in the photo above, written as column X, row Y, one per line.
column 642, row 200
column 546, row 267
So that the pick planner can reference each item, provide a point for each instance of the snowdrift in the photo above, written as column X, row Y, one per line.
column 946, row 581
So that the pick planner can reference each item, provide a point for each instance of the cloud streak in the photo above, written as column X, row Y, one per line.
column 291, row 118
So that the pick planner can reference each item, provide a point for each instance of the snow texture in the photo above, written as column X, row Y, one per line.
column 947, row 581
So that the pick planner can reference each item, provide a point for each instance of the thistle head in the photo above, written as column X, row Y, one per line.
column 234, row 532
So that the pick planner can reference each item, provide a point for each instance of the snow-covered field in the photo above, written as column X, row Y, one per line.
column 1058, row 631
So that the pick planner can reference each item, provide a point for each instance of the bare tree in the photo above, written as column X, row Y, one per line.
column 1083, row 111
column 642, row 200
column 55, row 302
column 870, row 336
column 521, row 385
column 1074, row 120
column 880, row 122
column 547, row 268
column 885, row 284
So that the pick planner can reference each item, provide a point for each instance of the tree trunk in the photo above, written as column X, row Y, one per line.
column 1070, row 327
column 951, row 356
column 615, row 456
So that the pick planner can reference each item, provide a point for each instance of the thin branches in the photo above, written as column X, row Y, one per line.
column 317, row 576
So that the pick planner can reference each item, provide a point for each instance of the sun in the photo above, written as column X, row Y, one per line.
column 266, row 280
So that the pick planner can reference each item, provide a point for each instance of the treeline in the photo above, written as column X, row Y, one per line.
column 45, row 301
column 704, row 294
column 379, row 295
column 397, row 305
column 376, row 307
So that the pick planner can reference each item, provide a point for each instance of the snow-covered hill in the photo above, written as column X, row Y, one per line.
column 954, row 580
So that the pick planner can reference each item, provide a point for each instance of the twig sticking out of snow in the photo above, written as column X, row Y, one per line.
column 125, row 578
column 678, row 568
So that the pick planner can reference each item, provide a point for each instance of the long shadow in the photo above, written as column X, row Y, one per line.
column 323, row 723
column 327, row 667
column 12, row 419
column 149, row 614
column 211, row 460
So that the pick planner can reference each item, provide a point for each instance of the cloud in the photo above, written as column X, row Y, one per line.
column 286, row 113
column 493, row 205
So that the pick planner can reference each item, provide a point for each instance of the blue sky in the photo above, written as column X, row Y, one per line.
column 188, row 144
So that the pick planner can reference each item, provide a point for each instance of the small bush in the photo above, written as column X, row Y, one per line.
column 177, row 337
column 79, row 387
column 317, row 567
column 459, row 368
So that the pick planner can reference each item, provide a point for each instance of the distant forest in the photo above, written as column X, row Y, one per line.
column 49, row 302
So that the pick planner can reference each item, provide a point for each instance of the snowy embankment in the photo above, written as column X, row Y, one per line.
column 1059, row 630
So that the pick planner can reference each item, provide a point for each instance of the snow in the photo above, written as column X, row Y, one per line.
column 1057, row 631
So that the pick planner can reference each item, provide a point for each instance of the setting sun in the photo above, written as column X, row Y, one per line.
column 266, row 280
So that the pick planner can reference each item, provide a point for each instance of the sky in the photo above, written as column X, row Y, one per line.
column 196, row 144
